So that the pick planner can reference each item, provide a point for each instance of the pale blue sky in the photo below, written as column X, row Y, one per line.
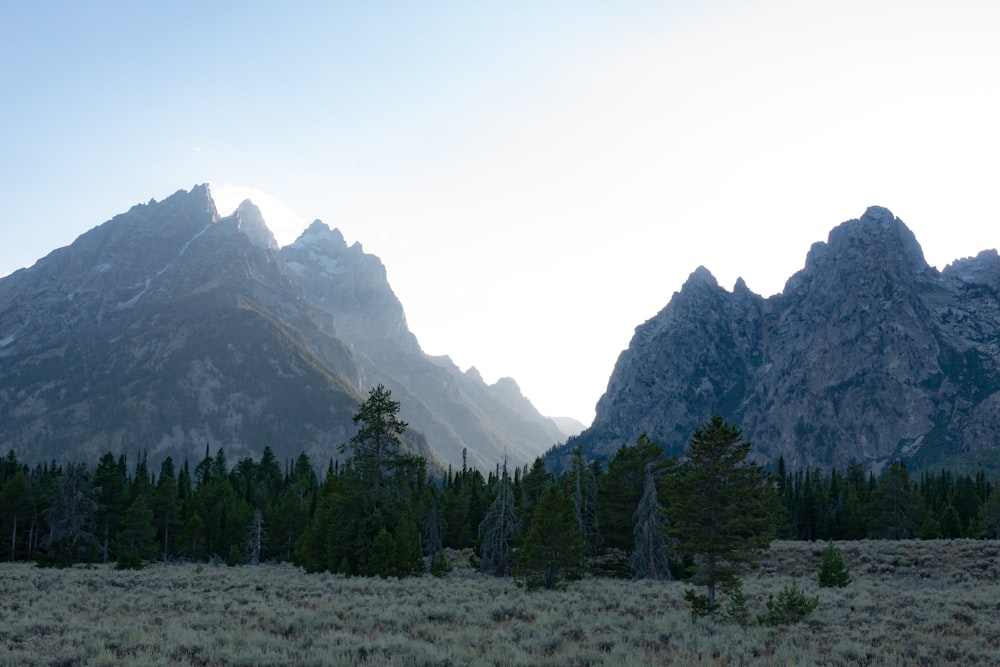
column 538, row 177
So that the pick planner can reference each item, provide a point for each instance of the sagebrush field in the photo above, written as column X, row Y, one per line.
column 911, row 603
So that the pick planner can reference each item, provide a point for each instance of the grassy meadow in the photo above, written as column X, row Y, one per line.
column 911, row 603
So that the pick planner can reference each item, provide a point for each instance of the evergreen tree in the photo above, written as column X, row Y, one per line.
column 989, row 517
column 192, row 539
column 268, row 478
column 376, row 447
column 382, row 557
column 896, row 507
column 166, row 507
column 288, row 520
column 553, row 548
column 533, row 484
column 111, row 488
column 16, row 517
column 720, row 506
column 137, row 537
column 950, row 523
column 225, row 516
column 620, row 490
column 584, row 495
column 832, row 571
column 409, row 557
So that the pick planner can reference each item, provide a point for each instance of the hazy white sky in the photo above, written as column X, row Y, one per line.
column 537, row 177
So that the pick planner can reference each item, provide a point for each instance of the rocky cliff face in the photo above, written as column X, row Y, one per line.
column 162, row 330
column 169, row 327
column 868, row 355
column 456, row 410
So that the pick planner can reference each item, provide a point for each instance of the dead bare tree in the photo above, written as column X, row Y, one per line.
column 651, row 557
column 497, row 529
column 258, row 537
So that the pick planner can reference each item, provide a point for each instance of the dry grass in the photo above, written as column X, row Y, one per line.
column 912, row 603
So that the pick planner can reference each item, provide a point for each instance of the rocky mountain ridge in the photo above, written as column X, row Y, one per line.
column 868, row 355
column 170, row 327
column 455, row 410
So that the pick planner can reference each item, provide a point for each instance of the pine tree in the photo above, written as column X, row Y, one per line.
column 620, row 490
column 409, row 558
column 288, row 520
column 990, row 514
column 720, row 506
column 192, row 539
column 137, row 537
column 832, row 571
column 377, row 445
column 166, row 508
column 896, row 507
column 553, row 548
column 584, row 494
column 16, row 508
column 111, row 488
column 382, row 556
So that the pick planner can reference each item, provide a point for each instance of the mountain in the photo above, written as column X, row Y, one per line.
column 170, row 327
column 455, row 410
column 569, row 425
column 868, row 355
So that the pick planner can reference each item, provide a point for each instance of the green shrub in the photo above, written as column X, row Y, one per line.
column 736, row 611
column 235, row 557
column 128, row 560
column 791, row 606
column 699, row 603
column 440, row 565
column 832, row 571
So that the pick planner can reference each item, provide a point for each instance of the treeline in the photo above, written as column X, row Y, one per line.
column 378, row 513
column 853, row 504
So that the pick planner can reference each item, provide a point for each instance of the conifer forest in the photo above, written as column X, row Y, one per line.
column 703, row 522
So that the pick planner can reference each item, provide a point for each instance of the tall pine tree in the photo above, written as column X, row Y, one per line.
column 720, row 506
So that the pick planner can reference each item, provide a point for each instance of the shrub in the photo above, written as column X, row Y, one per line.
column 235, row 557
column 832, row 571
column 736, row 611
column 440, row 565
column 791, row 606
column 128, row 560
column 699, row 603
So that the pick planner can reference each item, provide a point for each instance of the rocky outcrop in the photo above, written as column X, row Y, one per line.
column 867, row 355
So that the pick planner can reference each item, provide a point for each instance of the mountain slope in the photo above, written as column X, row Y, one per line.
column 169, row 327
column 162, row 330
column 455, row 410
column 867, row 355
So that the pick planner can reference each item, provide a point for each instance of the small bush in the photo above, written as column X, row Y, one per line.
column 440, row 565
column 699, row 603
column 832, row 571
column 736, row 611
column 791, row 606
column 128, row 560
column 235, row 557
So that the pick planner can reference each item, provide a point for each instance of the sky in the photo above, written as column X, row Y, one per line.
column 539, row 178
